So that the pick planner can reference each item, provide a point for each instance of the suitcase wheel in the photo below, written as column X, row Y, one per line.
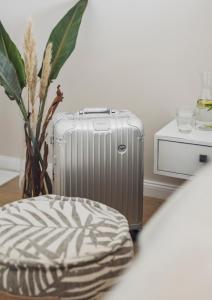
column 134, row 234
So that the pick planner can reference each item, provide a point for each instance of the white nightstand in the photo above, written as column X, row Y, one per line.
column 181, row 155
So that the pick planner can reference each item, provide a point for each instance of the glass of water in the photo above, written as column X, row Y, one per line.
column 185, row 119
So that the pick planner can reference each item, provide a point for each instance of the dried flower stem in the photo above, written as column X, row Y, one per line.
column 49, row 115
column 30, row 59
column 46, row 70
column 44, row 85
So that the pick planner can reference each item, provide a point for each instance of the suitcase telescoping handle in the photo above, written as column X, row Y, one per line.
column 87, row 111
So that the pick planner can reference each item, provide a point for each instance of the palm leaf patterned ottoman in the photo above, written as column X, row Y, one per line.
column 68, row 248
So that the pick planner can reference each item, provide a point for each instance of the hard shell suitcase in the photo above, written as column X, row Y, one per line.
column 98, row 154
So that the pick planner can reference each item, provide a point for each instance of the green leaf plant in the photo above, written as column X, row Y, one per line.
column 9, row 49
column 9, row 79
column 63, row 39
column 17, row 74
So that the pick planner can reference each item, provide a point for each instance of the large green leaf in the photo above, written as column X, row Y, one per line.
column 9, row 49
column 9, row 79
column 64, row 36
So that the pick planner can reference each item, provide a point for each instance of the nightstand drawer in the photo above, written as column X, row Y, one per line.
column 182, row 158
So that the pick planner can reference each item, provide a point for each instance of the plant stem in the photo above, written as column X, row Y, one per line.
column 40, row 115
column 36, row 148
column 22, row 109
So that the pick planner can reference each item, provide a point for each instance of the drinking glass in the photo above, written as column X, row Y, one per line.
column 185, row 119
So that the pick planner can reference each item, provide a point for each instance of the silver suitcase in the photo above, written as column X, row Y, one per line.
column 98, row 154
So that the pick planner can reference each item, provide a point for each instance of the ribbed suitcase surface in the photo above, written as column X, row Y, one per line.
column 98, row 154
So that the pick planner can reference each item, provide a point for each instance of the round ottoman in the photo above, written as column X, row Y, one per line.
column 69, row 248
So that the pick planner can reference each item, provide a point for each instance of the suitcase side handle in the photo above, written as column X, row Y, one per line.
column 104, row 110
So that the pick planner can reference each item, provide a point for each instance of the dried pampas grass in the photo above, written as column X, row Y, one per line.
column 30, row 59
column 46, row 70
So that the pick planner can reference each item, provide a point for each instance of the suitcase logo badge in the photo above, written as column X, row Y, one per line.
column 122, row 148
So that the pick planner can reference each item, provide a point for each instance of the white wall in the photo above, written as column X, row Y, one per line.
column 143, row 55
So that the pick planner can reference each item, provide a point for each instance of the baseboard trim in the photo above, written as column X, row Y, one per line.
column 10, row 163
column 160, row 190
column 154, row 189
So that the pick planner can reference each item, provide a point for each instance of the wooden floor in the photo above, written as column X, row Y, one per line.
column 10, row 192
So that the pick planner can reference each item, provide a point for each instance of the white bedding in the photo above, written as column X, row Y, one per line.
column 175, row 261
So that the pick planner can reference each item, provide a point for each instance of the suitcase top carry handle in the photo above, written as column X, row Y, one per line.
column 87, row 111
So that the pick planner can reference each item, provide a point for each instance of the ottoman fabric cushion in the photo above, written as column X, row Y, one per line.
column 71, row 248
